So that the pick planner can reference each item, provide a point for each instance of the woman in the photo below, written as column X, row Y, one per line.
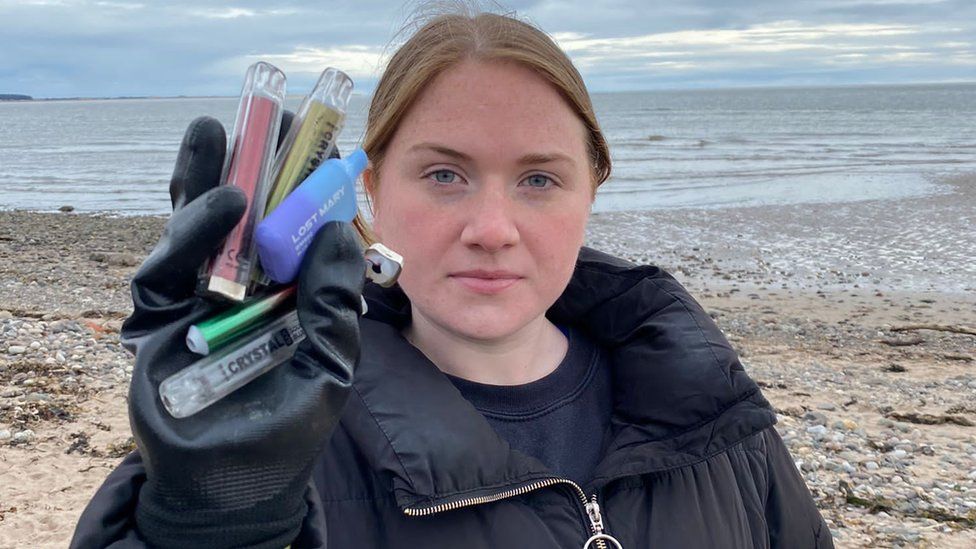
column 514, row 390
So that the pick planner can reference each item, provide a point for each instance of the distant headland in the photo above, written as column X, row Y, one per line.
column 15, row 97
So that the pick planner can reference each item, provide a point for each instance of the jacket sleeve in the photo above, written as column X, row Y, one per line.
column 109, row 519
column 791, row 515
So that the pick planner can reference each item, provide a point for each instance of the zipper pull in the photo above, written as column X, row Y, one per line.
column 596, row 523
column 596, row 519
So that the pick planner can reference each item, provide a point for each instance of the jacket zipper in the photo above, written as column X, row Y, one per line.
column 598, row 539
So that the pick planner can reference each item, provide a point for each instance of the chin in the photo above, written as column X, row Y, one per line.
column 487, row 326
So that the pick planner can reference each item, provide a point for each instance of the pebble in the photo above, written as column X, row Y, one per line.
column 16, row 349
column 5, row 435
column 115, row 258
column 37, row 397
column 871, row 465
column 816, row 418
column 26, row 435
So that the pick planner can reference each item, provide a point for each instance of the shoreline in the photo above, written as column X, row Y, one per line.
column 880, row 420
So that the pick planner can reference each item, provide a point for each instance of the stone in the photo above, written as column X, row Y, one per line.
column 34, row 344
column 120, row 259
column 871, row 465
column 4, row 315
column 23, row 436
column 817, row 430
column 37, row 397
column 5, row 435
column 66, row 208
column 16, row 349
column 816, row 418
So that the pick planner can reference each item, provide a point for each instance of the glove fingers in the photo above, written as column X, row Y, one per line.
column 199, row 162
column 168, row 277
column 330, row 286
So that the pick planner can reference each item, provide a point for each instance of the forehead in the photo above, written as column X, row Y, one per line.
column 491, row 105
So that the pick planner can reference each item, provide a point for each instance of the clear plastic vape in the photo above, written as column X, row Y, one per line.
column 312, row 135
column 250, row 157
column 217, row 375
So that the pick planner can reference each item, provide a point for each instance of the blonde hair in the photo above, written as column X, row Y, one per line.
column 446, row 39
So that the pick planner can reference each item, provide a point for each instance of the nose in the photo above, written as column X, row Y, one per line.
column 490, row 222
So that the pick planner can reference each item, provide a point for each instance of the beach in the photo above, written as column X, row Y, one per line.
column 857, row 319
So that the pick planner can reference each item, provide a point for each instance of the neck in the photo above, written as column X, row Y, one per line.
column 523, row 357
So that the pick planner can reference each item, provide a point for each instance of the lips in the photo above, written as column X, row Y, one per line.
column 485, row 282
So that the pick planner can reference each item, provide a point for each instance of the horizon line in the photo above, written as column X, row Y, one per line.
column 646, row 90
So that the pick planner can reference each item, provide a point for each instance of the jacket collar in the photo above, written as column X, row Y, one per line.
column 680, row 392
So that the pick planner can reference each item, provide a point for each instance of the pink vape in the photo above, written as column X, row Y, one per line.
column 250, row 155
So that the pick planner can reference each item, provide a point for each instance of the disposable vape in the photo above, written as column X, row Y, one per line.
column 217, row 375
column 213, row 333
column 248, row 164
column 329, row 194
column 312, row 135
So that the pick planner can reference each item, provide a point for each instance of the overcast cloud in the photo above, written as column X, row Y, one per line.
column 66, row 48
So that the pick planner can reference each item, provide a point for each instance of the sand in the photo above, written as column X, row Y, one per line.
column 880, row 421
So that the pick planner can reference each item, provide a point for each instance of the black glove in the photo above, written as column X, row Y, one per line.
column 234, row 474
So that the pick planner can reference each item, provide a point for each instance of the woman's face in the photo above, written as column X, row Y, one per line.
column 485, row 190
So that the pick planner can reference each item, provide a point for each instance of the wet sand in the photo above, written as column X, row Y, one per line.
column 842, row 312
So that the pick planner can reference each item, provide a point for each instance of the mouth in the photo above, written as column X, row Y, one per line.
column 485, row 282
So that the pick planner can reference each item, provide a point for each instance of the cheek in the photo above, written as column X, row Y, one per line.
column 394, row 217
column 557, row 240
column 413, row 229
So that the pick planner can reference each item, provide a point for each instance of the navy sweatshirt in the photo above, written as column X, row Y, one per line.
column 562, row 419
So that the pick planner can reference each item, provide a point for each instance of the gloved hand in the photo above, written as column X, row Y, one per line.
column 234, row 474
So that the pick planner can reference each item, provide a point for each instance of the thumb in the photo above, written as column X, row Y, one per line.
column 330, row 286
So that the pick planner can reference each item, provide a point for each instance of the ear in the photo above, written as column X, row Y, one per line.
column 370, row 186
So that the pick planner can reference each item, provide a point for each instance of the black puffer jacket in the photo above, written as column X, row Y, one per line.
column 694, row 461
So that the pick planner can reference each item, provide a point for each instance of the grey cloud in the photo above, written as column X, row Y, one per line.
column 151, row 47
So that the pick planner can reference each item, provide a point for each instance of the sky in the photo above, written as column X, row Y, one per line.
column 108, row 48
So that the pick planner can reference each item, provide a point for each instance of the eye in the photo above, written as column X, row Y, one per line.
column 538, row 181
column 443, row 177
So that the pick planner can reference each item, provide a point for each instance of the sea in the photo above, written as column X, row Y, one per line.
column 670, row 149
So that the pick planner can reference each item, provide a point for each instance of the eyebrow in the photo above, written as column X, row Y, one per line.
column 527, row 159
